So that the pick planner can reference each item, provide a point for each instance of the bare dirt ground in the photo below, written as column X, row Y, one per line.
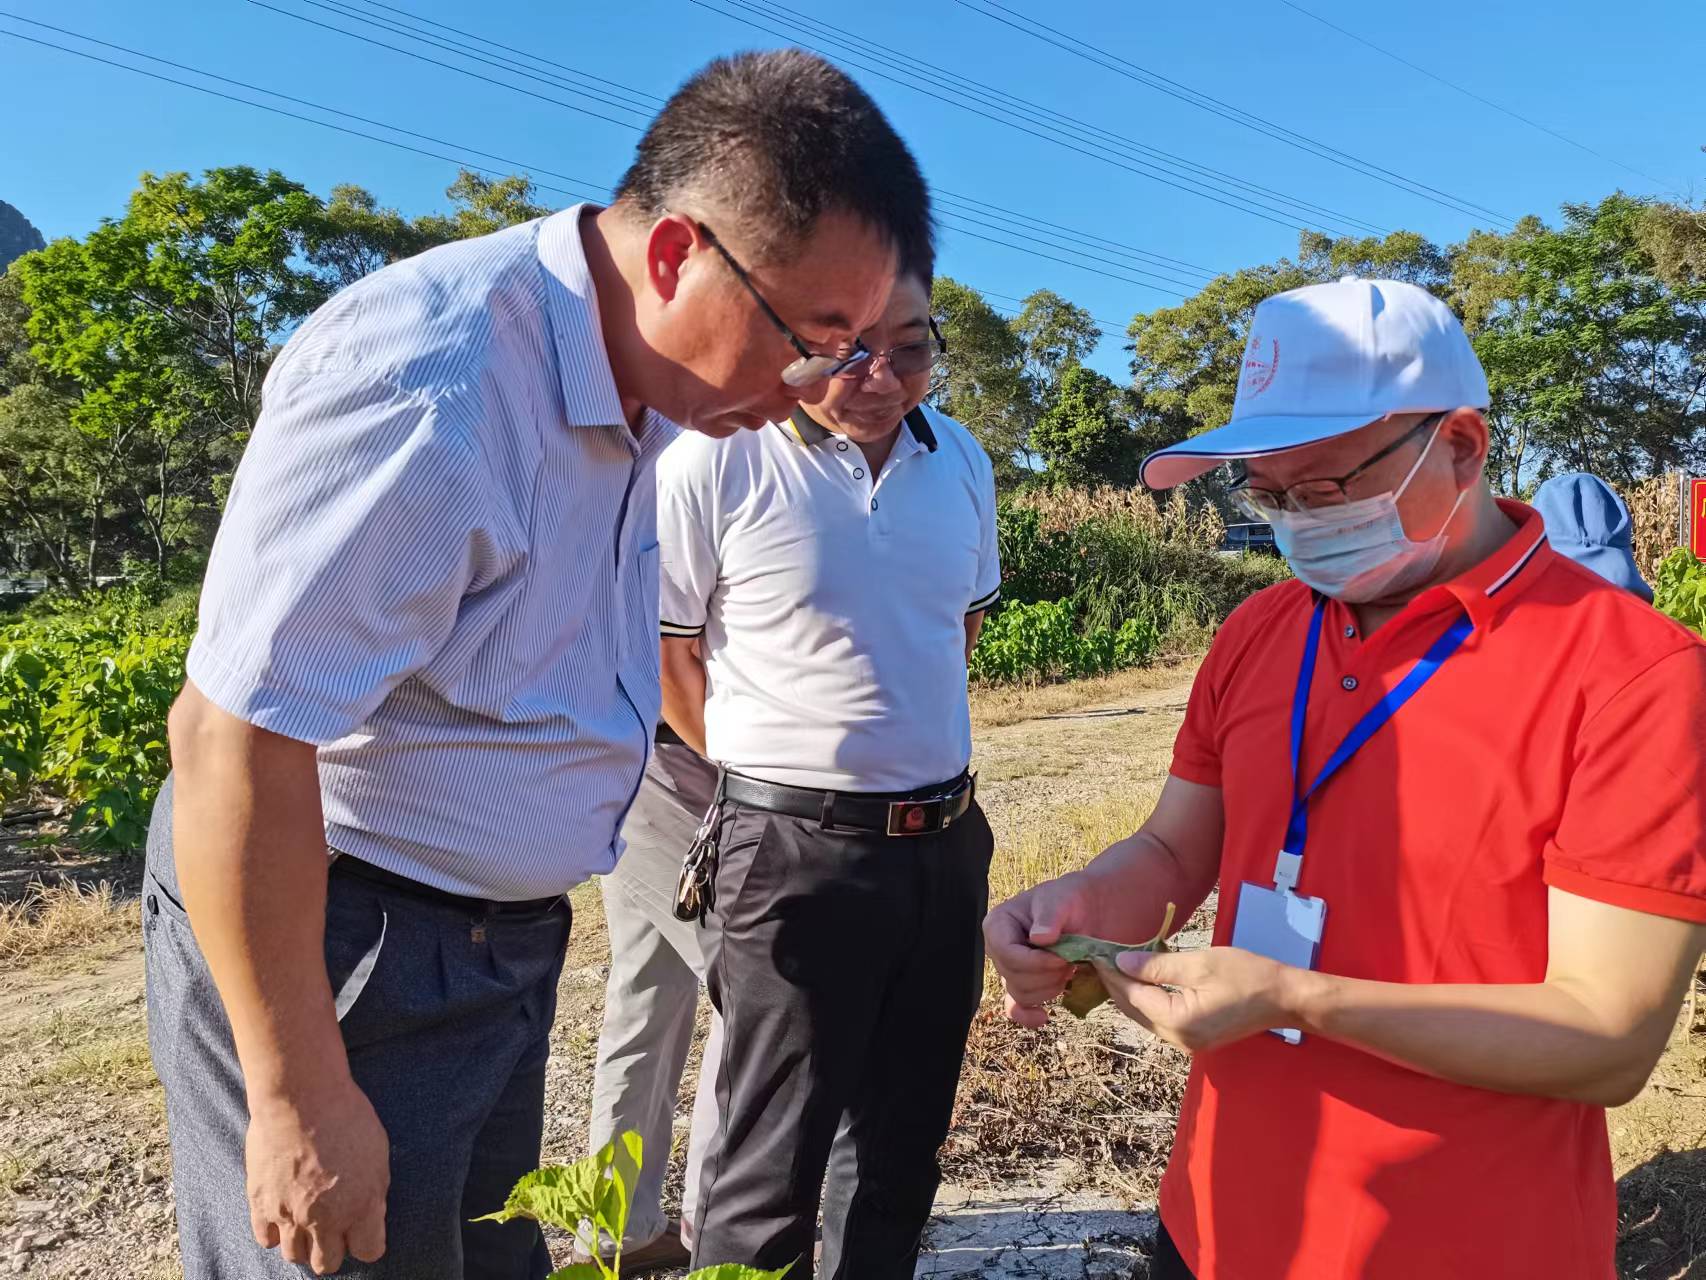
column 1058, row 1138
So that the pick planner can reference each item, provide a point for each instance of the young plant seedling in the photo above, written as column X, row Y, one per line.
column 1086, row 991
column 589, row 1199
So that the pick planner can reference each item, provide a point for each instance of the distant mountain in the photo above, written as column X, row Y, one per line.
column 17, row 235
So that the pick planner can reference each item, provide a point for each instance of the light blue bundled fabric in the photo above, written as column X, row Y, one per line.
column 1587, row 521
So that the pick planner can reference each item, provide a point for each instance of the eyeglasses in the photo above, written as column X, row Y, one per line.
column 1325, row 493
column 812, row 367
column 907, row 360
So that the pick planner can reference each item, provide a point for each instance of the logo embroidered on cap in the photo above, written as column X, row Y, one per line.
column 1258, row 373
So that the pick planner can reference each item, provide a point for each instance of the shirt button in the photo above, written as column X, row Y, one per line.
column 1349, row 683
column 841, row 446
column 1350, row 633
column 858, row 473
column 873, row 504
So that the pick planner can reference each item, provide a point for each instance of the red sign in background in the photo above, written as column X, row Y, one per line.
column 1697, row 516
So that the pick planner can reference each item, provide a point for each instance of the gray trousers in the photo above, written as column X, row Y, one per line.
column 446, row 1025
column 649, row 1002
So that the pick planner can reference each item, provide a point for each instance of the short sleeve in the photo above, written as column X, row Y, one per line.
column 1633, row 829
column 989, row 546
column 687, row 554
column 354, row 529
column 1196, row 751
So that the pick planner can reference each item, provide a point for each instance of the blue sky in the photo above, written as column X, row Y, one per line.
column 78, row 133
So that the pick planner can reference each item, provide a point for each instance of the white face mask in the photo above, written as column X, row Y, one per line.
column 1359, row 551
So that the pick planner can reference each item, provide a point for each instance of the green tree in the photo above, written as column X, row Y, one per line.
column 482, row 205
column 1595, row 349
column 1057, row 335
column 986, row 386
column 1085, row 434
column 167, row 319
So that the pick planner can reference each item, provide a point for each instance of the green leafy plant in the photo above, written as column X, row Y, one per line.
column 590, row 1200
column 83, row 705
column 1031, row 643
column 1680, row 589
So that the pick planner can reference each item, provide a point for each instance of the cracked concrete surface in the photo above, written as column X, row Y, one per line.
column 1035, row 1232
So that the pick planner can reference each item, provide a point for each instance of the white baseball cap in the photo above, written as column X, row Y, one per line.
column 1327, row 359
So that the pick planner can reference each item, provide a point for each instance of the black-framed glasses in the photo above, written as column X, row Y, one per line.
column 907, row 360
column 812, row 367
column 1324, row 493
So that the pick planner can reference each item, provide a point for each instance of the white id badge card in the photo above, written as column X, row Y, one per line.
column 1280, row 925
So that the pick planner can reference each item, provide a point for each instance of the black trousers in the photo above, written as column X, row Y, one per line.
column 1167, row 1264
column 846, row 967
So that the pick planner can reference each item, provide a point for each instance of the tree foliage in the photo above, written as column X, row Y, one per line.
column 132, row 360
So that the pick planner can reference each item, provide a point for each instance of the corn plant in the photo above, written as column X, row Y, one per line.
column 589, row 1199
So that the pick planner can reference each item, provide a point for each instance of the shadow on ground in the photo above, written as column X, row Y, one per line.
column 1661, row 1229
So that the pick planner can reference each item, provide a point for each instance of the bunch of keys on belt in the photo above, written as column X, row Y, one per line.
column 696, row 886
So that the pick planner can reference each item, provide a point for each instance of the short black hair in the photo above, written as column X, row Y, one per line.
column 780, row 138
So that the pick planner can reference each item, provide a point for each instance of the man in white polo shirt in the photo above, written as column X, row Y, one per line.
column 822, row 584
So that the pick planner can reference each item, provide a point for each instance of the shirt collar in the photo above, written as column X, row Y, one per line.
column 590, row 398
column 1489, row 588
column 804, row 429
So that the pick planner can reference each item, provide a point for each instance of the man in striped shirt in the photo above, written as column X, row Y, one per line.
column 428, row 648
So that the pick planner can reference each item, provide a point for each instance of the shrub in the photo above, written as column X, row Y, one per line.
column 83, row 703
column 1132, row 580
column 1030, row 643
column 1680, row 589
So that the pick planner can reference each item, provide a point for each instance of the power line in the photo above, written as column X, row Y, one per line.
column 643, row 109
column 280, row 111
column 1243, row 205
column 1108, row 327
column 356, row 35
column 274, row 93
column 1225, row 110
column 1082, row 237
column 597, row 191
column 531, row 57
column 951, row 219
column 1043, row 116
column 1469, row 93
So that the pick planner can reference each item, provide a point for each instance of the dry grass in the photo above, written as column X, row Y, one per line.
column 1656, row 512
column 993, row 706
column 55, row 918
column 1091, row 1093
column 1177, row 521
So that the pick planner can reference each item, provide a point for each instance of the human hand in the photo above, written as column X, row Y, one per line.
column 1016, row 933
column 317, row 1178
column 1218, row 995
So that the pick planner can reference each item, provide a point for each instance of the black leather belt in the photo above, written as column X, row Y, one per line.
column 345, row 865
column 911, row 813
column 667, row 737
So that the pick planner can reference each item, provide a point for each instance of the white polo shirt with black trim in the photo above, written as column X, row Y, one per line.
column 831, row 603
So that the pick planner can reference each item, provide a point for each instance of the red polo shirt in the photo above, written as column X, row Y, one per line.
column 1561, row 746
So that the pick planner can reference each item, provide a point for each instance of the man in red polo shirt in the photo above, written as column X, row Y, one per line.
column 1451, row 788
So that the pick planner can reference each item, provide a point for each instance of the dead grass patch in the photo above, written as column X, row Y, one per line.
column 996, row 705
column 54, row 918
column 1073, row 1090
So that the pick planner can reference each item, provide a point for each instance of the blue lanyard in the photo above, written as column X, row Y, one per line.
column 1297, row 830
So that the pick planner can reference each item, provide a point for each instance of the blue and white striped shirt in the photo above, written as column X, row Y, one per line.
column 439, row 564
